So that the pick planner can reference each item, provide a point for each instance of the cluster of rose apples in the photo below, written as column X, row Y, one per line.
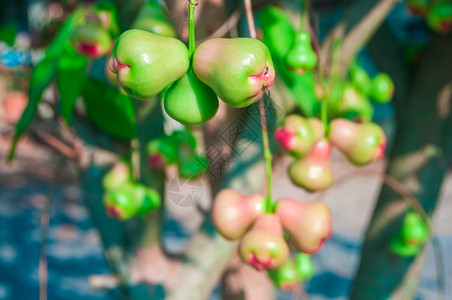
column 305, row 140
column 179, row 149
column 350, row 98
column 236, row 70
column 124, row 197
column 261, row 234
column 438, row 13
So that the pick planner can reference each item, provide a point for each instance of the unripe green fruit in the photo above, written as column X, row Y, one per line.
column 439, row 17
column 304, row 266
column 91, row 40
column 117, row 176
column 418, row 7
column 146, row 63
column 233, row 213
column 297, row 135
column 108, row 17
column 153, row 19
column 308, row 223
column 129, row 200
column 313, row 172
column 382, row 88
column 238, row 70
column 414, row 231
column 185, row 137
column 189, row 101
column 353, row 105
column 361, row 80
column 263, row 246
column 399, row 247
column 362, row 143
column 301, row 58
column 285, row 277
column 162, row 152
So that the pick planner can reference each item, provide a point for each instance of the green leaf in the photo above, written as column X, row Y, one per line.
column 109, row 109
column 42, row 76
column 278, row 35
column 8, row 33
column 70, row 79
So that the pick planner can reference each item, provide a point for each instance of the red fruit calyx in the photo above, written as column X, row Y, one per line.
column 88, row 49
column 285, row 138
column 156, row 161
column 258, row 265
column 113, row 212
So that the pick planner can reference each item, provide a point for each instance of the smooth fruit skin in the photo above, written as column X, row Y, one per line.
column 361, row 80
column 301, row 58
column 313, row 172
column 147, row 63
column 162, row 152
column 439, row 17
column 189, row 101
column 233, row 213
column 308, row 223
column 362, row 143
column 285, row 277
column 238, row 70
column 414, row 231
column 153, row 19
column 91, row 40
column 382, row 88
column 122, row 203
column 353, row 105
column 296, row 135
column 304, row 266
column 263, row 246
column 117, row 176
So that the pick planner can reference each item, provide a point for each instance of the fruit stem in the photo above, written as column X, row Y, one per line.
column 268, row 204
column 304, row 17
column 191, row 26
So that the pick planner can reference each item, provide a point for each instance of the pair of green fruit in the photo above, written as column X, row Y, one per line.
column 411, row 237
column 293, row 272
column 438, row 14
column 380, row 88
column 236, row 70
column 305, row 140
column 178, row 148
column 125, row 198
column 94, row 37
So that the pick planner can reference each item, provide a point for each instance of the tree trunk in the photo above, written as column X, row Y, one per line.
column 419, row 159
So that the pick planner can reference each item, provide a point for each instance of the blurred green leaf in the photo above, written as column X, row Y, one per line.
column 278, row 34
column 109, row 109
column 42, row 76
column 8, row 33
column 70, row 79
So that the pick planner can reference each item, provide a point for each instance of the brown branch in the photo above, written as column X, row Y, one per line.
column 361, row 33
column 227, row 25
column 57, row 145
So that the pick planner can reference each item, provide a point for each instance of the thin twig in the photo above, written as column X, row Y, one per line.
column 227, row 25
column 45, row 221
column 57, row 145
column 250, row 18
